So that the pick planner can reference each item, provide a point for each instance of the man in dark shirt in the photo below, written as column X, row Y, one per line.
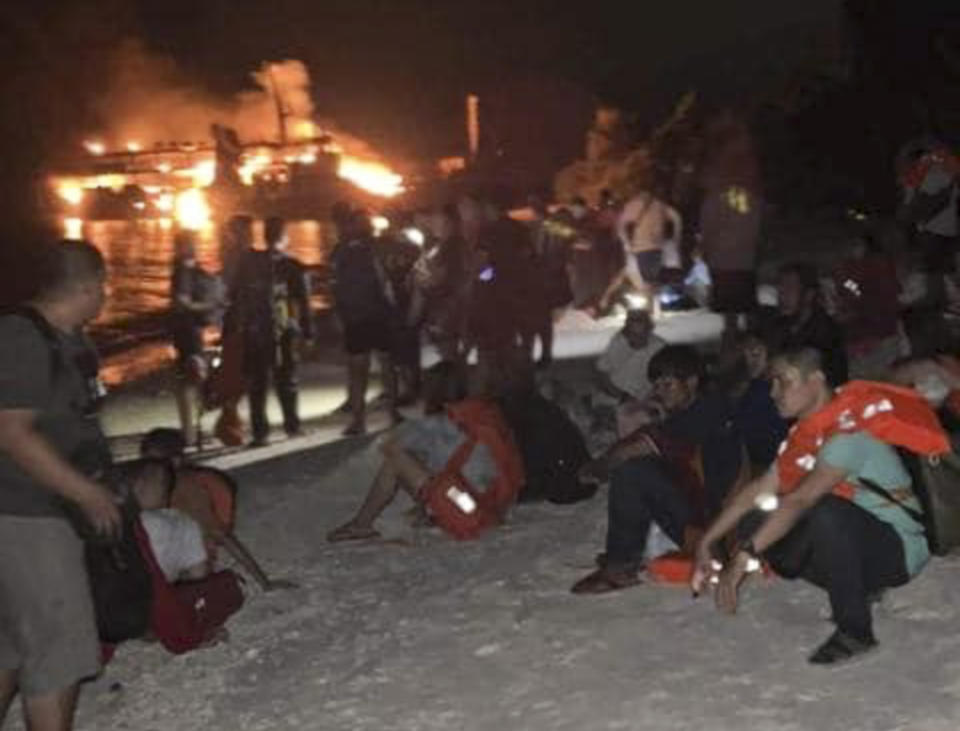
column 50, row 446
column 653, row 472
column 365, row 302
column 274, row 312
column 802, row 321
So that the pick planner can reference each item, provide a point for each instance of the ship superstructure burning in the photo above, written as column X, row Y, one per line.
column 302, row 166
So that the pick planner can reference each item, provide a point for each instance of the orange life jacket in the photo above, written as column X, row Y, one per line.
column 893, row 414
column 458, row 507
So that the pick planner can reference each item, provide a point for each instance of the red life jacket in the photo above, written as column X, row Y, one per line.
column 461, row 509
column 893, row 414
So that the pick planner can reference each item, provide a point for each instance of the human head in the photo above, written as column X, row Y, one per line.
column 443, row 384
column 149, row 481
column 538, row 205
column 928, row 333
column 638, row 328
column 444, row 223
column 756, row 354
column 275, row 233
column 578, row 207
column 799, row 384
column 163, row 443
column 74, row 277
column 240, row 231
column 676, row 373
column 797, row 289
column 184, row 247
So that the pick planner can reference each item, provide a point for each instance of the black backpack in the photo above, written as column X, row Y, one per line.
column 936, row 483
column 552, row 448
column 120, row 582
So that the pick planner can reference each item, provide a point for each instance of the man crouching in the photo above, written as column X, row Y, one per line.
column 817, row 513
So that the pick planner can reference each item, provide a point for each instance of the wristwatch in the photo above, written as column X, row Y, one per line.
column 749, row 549
column 753, row 559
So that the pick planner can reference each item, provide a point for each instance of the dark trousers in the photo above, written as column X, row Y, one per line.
column 844, row 550
column 642, row 490
column 279, row 359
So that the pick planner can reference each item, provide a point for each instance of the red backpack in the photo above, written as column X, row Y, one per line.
column 185, row 615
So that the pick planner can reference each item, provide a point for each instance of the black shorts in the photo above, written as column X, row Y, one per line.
column 366, row 336
column 734, row 291
column 938, row 252
column 650, row 264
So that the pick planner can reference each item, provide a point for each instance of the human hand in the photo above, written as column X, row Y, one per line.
column 726, row 596
column 594, row 471
column 100, row 508
column 704, row 568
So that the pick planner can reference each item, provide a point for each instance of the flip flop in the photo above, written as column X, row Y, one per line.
column 350, row 532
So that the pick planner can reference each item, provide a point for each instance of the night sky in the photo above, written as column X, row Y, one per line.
column 396, row 71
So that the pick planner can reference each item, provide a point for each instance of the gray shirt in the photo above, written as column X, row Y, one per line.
column 36, row 376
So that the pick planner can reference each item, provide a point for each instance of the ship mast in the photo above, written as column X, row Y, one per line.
column 282, row 112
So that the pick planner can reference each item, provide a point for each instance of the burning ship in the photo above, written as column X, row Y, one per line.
column 298, row 174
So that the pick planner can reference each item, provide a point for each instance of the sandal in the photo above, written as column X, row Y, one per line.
column 351, row 532
column 604, row 580
column 841, row 648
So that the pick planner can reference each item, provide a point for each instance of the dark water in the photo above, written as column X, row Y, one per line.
column 139, row 254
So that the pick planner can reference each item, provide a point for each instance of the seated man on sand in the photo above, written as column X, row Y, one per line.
column 190, row 602
column 208, row 496
column 623, row 386
column 816, row 513
column 459, row 462
column 675, row 472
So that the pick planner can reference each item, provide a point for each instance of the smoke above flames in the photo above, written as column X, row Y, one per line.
column 149, row 99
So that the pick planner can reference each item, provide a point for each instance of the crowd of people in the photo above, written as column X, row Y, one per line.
column 795, row 447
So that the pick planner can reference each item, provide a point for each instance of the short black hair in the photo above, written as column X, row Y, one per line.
column 676, row 361
column 806, row 273
column 443, row 383
column 123, row 476
column 69, row 262
column 805, row 358
column 165, row 441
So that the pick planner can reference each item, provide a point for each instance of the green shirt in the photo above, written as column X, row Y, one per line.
column 861, row 455
column 34, row 378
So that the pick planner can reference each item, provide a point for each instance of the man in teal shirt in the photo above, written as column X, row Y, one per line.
column 811, row 517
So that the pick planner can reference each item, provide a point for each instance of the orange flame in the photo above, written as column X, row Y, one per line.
column 192, row 210
column 371, row 176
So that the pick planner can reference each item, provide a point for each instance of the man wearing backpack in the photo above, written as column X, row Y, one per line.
column 274, row 314
column 48, row 429
column 837, row 508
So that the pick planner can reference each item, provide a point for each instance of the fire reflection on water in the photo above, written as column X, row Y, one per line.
column 139, row 255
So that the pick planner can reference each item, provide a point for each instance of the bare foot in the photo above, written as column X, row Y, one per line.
column 352, row 532
column 356, row 429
